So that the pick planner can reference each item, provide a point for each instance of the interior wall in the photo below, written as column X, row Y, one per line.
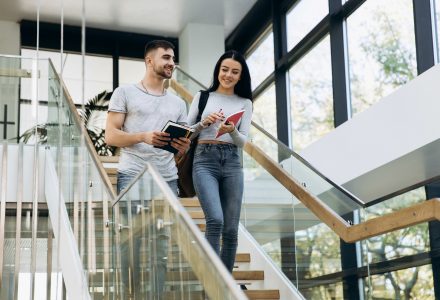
column 9, row 38
column 200, row 46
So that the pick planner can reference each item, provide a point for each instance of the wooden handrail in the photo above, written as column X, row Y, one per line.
column 410, row 216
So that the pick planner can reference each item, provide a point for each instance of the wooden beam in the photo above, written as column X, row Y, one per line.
column 319, row 208
column 406, row 217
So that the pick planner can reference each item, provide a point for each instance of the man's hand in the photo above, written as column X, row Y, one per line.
column 156, row 138
column 181, row 144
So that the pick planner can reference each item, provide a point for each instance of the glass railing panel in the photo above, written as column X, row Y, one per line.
column 338, row 199
column 161, row 253
column 302, row 246
column 86, row 195
column 190, row 84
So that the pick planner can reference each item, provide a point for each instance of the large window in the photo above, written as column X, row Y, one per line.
column 260, row 61
column 311, row 96
column 131, row 71
column 264, row 113
column 381, row 49
column 399, row 243
column 412, row 283
column 302, row 17
column 437, row 14
column 98, row 73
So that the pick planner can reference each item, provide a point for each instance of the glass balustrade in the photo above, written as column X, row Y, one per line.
column 148, row 230
column 297, row 241
column 160, row 251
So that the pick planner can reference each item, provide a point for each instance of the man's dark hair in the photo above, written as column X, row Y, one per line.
column 155, row 44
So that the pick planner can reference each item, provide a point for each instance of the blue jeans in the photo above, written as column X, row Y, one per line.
column 149, row 250
column 218, row 181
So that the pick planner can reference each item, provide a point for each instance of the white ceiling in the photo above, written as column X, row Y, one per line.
column 157, row 17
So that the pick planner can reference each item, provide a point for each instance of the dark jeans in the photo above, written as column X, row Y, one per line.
column 146, row 248
column 218, row 180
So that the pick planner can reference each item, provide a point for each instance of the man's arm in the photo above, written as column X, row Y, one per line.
column 114, row 136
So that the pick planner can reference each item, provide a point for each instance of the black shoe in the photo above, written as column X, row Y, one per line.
column 243, row 287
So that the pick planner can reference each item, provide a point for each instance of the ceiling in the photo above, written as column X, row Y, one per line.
column 156, row 17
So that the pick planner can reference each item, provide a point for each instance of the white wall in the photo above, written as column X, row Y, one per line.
column 200, row 46
column 392, row 145
column 9, row 38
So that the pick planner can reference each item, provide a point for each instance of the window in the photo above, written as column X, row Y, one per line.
column 261, row 61
column 311, row 96
column 412, row 283
column 302, row 17
column 437, row 14
column 98, row 73
column 131, row 71
column 381, row 47
column 264, row 113
column 399, row 243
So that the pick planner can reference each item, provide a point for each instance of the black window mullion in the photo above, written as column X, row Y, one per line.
column 281, row 80
column 426, row 57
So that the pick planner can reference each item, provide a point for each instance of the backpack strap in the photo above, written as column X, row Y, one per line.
column 204, row 95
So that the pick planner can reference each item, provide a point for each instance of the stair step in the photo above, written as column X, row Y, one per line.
column 251, row 294
column 197, row 214
column 238, row 275
column 109, row 159
column 190, row 202
column 262, row 294
column 243, row 257
column 111, row 171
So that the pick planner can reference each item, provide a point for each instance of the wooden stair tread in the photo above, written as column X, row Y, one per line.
column 262, row 294
column 109, row 159
column 238, row 275
column 243, row 257
column 197, row 214
column 190, row 202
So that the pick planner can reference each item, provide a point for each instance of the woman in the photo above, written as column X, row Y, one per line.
column 217, row 170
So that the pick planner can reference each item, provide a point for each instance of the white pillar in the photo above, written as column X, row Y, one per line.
column 200, row 46
column 9, row 38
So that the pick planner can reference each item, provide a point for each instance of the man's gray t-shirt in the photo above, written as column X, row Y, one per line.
column 145, row 112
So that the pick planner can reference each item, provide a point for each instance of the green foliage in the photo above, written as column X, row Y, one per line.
column 89, row 116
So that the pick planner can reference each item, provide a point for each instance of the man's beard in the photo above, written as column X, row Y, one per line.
column 161, row 72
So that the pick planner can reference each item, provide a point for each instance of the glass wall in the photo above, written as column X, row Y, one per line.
column 302, row 17
column 381, row 47
column 130, row 71
column 98, row 73
column 260, row 61
column 412, row 283
column 437, row 15
column 311, row 96
column 265, row 110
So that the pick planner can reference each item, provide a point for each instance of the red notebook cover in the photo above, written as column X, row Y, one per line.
column 234, row 118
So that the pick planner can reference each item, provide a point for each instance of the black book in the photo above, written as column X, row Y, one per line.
column 175, row 130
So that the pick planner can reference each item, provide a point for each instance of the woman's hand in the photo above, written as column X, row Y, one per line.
column 226, row 128
column 212, row 118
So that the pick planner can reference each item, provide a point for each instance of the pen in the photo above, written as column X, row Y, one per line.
column 218, row 113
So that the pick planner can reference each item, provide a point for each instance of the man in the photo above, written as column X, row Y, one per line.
column 136, row 115
column 138, row 112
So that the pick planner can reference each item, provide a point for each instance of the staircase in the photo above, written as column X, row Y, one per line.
column 241, row 273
